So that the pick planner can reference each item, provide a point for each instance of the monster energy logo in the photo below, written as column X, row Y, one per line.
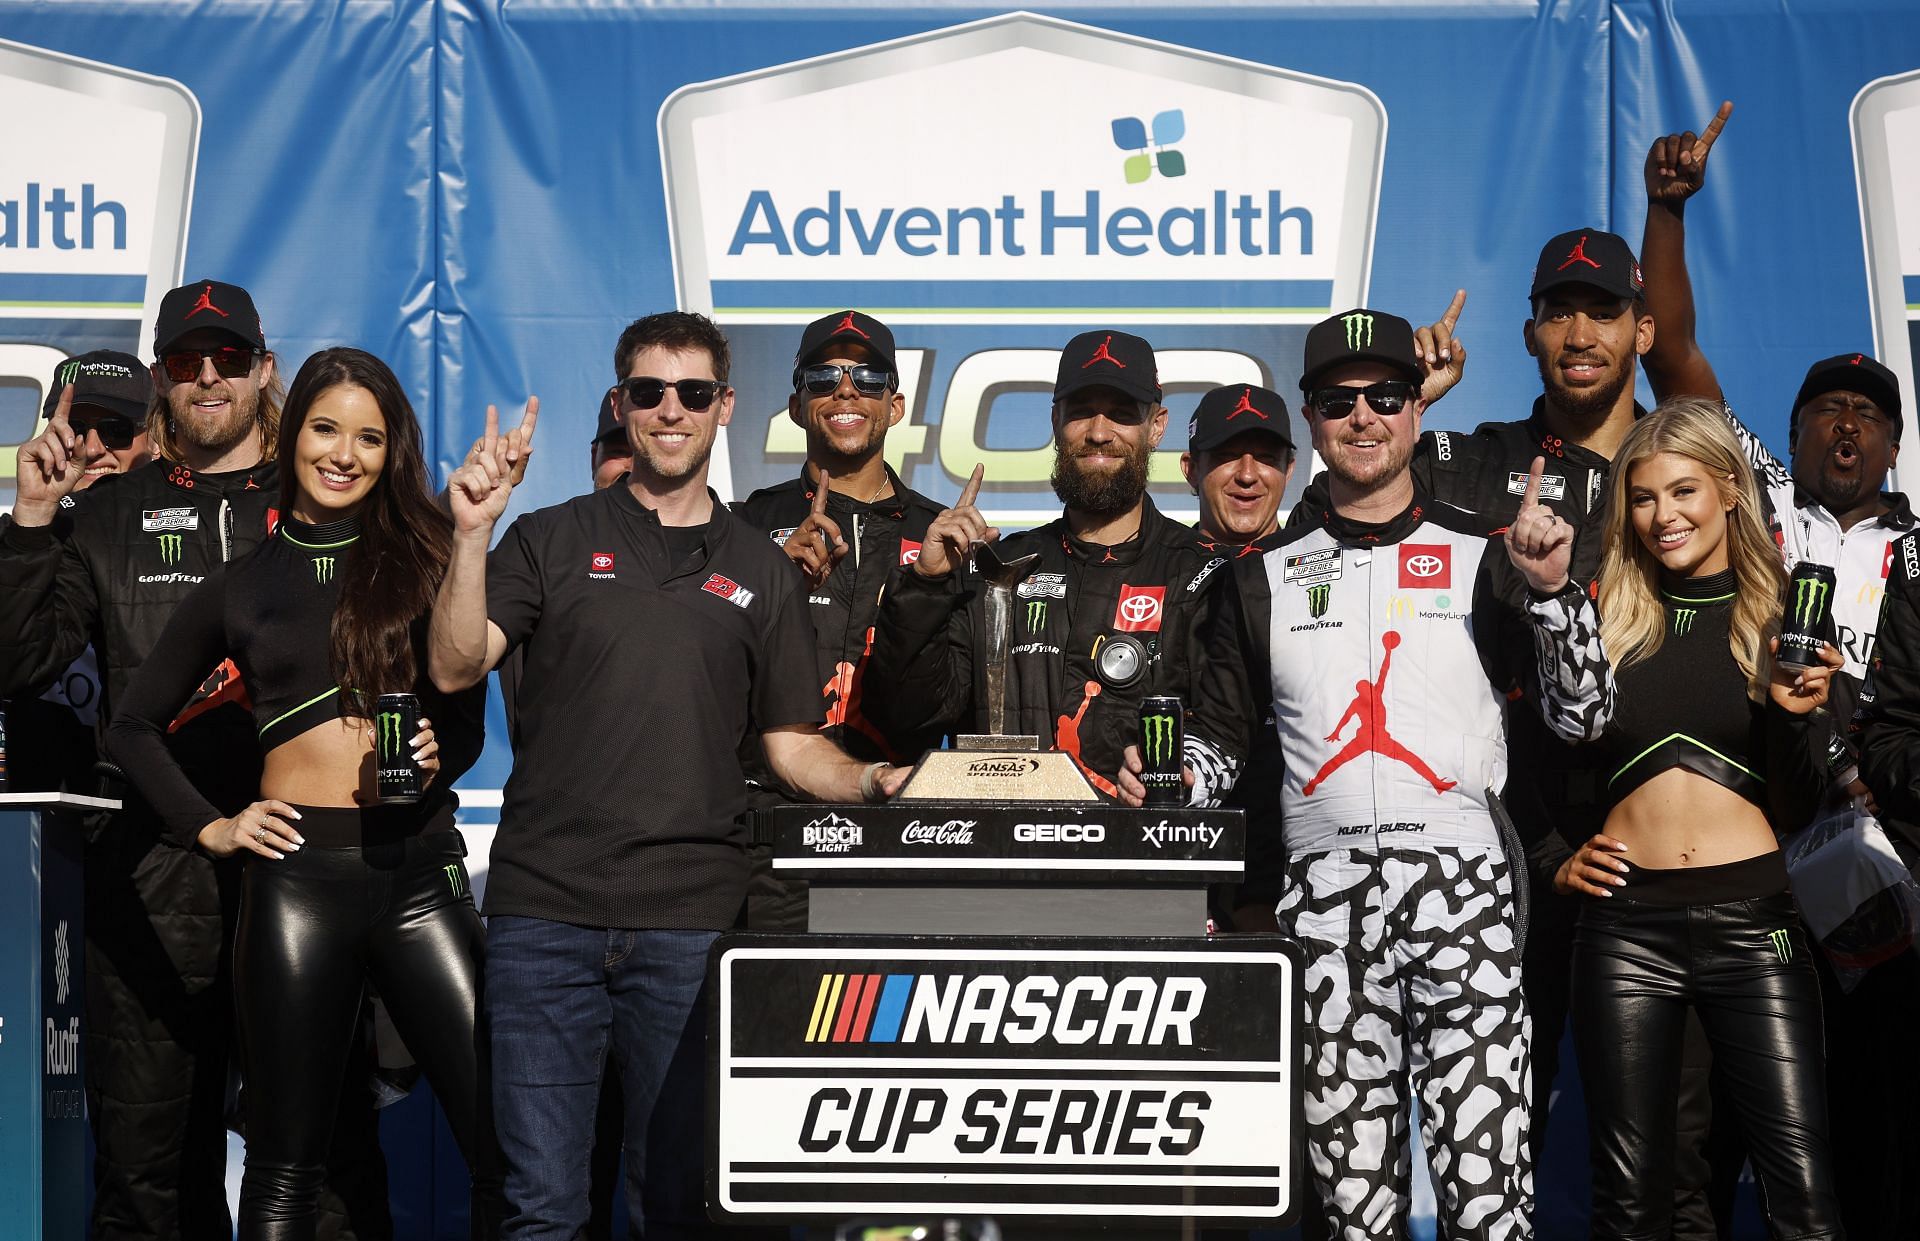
column 456, row 878
column 1810, row 601
column 389, row 722
column 1156, row 736
column 1683, row 620
column 323, row 569
column 1036, row 614
column 1318, row 599
column 69, row 373
column 1782, row 944
column 1359, row 329
column 170, row 547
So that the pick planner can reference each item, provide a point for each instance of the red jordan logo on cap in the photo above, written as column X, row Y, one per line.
column 1246, row 406
column 205, row 303
column 1856, row 359
column 847, row 325
column 1101, row 355
column 1578, row 255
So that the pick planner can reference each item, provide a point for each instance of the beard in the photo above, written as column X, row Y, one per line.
column 213, row 433
column 648, row 460
column 1583, row 405
column 1392, row 464
column 1101, row 493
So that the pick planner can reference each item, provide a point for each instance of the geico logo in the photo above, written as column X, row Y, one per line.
column 992, row 1008
column 1039, row 1120
column 1050, row 833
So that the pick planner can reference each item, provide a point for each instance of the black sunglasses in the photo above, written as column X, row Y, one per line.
column 823, row 378
column 114, row 431
column 229, row 362
column 1389, row 396
column 646, row 392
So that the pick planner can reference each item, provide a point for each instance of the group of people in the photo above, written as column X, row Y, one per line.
column 1504, row 709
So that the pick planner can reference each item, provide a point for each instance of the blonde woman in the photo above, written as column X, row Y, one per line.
column 1710, row 756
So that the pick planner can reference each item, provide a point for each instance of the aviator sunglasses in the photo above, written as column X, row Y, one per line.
column 229, row 362
column 823, row 378
column 1389, row 396
column 646, row 392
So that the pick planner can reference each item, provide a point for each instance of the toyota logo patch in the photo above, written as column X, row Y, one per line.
column 1426, row 566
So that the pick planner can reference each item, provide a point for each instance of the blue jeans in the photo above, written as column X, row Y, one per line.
column 560, row 1000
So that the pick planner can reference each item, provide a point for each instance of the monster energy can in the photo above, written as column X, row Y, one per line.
column 1163, row 738
column 1807, row 624
column 396, row 720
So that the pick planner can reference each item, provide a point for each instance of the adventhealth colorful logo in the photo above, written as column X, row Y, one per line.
column 1151, row 150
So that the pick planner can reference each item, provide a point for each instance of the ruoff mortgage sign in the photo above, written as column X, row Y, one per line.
column 1108, row 1079
column 1031, row 178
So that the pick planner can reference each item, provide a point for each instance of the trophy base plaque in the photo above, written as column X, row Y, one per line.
column 990, row 767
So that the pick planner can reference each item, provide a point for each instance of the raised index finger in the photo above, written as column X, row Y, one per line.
column 1458, row 304
column 492, row 432
column 971, row 491
column 820, row 493
column 1532, row 494
column 1711, row 134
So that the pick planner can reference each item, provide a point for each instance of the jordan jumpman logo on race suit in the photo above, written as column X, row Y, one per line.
column 1370, row 708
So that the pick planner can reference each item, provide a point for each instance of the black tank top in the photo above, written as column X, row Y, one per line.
column 1686, row 705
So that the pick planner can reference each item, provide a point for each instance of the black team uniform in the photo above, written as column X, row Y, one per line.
column 881, row 536
column 376, row 894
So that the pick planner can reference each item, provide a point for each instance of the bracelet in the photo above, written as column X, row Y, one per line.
column 869, row 791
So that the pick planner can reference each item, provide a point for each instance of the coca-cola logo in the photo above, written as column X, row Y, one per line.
column 952, row 832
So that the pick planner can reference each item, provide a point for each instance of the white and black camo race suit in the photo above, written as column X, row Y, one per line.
column 1389, row 652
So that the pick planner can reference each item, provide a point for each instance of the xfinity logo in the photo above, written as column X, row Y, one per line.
column 1164, row 833
column 1059, row 833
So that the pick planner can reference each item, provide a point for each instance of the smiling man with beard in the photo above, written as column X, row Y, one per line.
column 1113, row 573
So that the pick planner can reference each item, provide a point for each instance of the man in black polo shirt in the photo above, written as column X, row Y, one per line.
column 659, row 630
column 848, row 536
column 1239, row 460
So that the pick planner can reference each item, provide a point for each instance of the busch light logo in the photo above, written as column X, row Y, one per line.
column 170, row 548
column 952, row 832
column 1157, row 732
column 1359, row 330
column 832, row 834
column 1812, row 595
column 323, row 569
column 389, row 725
column 1319, row 598
column 1185, row 220
column 1131, row 136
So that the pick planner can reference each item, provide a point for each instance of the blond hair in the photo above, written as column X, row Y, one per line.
column 166, row 442
column 1632, row 620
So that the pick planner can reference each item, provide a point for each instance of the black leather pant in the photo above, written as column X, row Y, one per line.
column 1746, row 967
column 313, row 929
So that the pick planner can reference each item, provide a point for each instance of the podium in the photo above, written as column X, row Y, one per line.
column 1007, row 1010
column 43, row 1134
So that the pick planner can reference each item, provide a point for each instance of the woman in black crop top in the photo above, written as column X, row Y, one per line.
column 320, row 619
column 1709, row 754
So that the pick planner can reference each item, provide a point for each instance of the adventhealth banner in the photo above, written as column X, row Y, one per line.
column 484, row 194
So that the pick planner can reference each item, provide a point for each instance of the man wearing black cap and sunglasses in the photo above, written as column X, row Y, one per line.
column 848, row 522
column 107, row 566
column 1106, row 617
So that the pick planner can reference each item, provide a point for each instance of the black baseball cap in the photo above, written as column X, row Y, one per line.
column 116, row 382
column 1226, row 412
column 850, row 325
column 608, row 425
column 1359, row 335
column 1853, row 372
column 204, row 304
column 1106, row 359
column 1588, row 256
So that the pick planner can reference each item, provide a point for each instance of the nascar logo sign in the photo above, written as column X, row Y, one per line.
column 1061, row 178
column 1130, row 1078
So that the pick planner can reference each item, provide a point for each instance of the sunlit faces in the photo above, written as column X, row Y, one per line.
column 109, row 443
column 1240, row 484
column 1586, row 343
column 1367, row 448
column 611, row 458
column 846, row 425
column 1842, row 449
column 1103, row 440
column 1680, row 513
column 340, row 453
column 213, row 412
column 669, row 440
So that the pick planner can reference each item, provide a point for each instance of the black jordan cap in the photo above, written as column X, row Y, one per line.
column 1226, row 412
column 207, row 304
column 1108, row 360
column 1588, row 256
